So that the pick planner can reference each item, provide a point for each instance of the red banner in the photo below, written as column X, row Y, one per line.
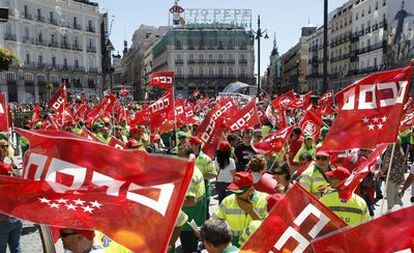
column 159, row 110
column 104, row 109
column 294, row 221
column 93, row 183
column 325, row 97
column 370, row 111
column 4, row 124
column 58, row 101
column 301, row 102
column 245, row 118
column 311, row 124
column 164, row 80
column 114, row 142
column 273, row 142
column 390, row 233
column 283, row 100
column 325, row 109
column 89, row 135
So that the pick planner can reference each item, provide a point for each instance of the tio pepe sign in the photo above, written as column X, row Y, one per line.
column 222, row 16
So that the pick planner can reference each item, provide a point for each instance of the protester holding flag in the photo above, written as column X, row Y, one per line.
column 352, row 211
column 243, row 206
column 314, row 178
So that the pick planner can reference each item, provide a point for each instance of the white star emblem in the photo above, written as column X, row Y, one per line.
column 384, row 119
column 380, row 126
column 375, row 119
column 62, row 201
column 96, row 204
column 371, row 127
column 365, row 120
column 79, row 202
column 54, row 205
column 71, row 207
column 44, row 200
column 87, row 209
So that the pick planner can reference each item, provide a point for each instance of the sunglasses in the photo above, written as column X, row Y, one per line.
column 323, row 158
column 64, row 235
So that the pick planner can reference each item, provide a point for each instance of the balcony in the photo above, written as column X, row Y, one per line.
column 77, row 26
column 191, row 61
column 66, row 67
column 77, row 47
column 27, row 16
column 65, row 45
column 41, row 42
column 221, row 61
column 93, row 70
column 231, row 61
column 78, row 69
column 53, row 21
column 90, row 29
column 29, row 65
column 243, row 61
column 28, row 40
column 41, row 19
column 91, row 49
column 211, row 61
column 53, row 44
column 179, row 62
column 10, row 36
column 201, row 61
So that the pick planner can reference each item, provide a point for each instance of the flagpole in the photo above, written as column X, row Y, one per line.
column 175, row 116
column 388, row 177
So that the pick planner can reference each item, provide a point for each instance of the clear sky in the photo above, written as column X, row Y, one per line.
column 285, row 17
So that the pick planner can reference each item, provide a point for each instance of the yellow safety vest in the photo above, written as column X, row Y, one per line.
column 238, row 220
column 249, row 230
column 313, row 181
column 353, row 212
column 181, row 219
column 196, row 188
column 108, row 245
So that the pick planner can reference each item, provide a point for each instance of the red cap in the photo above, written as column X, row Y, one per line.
column 195, row 140
column 241, row 181
column 132, row 143
column 155, row 137
column 272, row 200
column 339, row 173
column 224, row 146
column 322, row 153
column 90, row 234
column 135, row 130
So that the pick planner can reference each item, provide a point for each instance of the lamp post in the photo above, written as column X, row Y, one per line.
column 259, row 33
column 325, row 47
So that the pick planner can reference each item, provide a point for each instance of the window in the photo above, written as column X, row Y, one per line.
column 221, row 72
column 369, row 42
column 40, row 36
column 231, row 57
column 75, row 42
column 26, row 10
column 191, row 71
column 53, row 61
column 65, row 62
column 369, row 9
column 242, row 57
column 243, row 72
column 210, row 57
column 221, row 57
column 375, row 62
column 76, row 63
column 40, row 59
column 89, row 23
column 90, row 43
column 356, row 16
column 210, row 71
column 191, row 57
column 201, row 57
column 27, row 59
column 230, row 71
column 201, row 72
column 179, row 72
column 376, row 5
column 39, row 13
column 384, row 3
column 75, row 21
column 363, row 13
column 26, row 32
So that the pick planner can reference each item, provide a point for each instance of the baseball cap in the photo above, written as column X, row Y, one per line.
column 195, row 140
column 90, row 234
column 155, row 137
column 241, row 181
column 339, row 173
column 132, row 143
column 224, row 146
column 322, row 153
column 135, row 130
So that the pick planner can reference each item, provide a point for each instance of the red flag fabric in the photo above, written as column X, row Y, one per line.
column 325, row 97
column 210, row 129
column 123, row 93
column 292, row 223
column 393, row 232
column 142, row 118
column 50, row 124
column 82, row 111
column 159, row 110
column 274, row 142
column 114, row 142
column 325, row 109
column 9, row 116
column 103, row 109
column 58, row 101
column 262, row 115
column 93, row 183
column 407, row 121
column 311, row 124
column 36, row 116
column 245, row 118
column 283, row 100
column 164, row 80
column 4, row 124
column 370, row 111
column 347, row 187
column 89, row 135
column 64, row 117
column 301, row 102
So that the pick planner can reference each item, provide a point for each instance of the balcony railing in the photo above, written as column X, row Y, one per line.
column 40, row 19
column 65, row 45
column 77, row 26
column 179, row 61
column 90, row 29
column 91, row 50
column 77, row 47
column 53, row 44
column 191, row 61
column 93, row 70
column 221, row 61
column 78, row 69
column 53, row 21
column 28, row 40
column 41, row 42
column 201, row 61
column 10, row 36
column 243, row 61
column 27, row 16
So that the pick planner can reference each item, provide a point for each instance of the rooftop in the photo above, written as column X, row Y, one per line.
column 86, row 2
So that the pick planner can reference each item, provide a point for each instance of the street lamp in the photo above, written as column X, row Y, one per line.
column 259, row 33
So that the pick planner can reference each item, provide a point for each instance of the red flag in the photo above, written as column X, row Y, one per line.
column 370, row 111
column 407, row 121
column 82, row 111
column 294, row 221
column 50, row 124
column 89, row 135
column 283, row 100
column 393, row 232
column 325, row 109
column 93, row 183
column 245, row 118
column 36, row 116
column 160, row 109
column 114, row 142
column 262, row 115
column 210, row 130
column 301, row 102
column 123, row 93
column 325, row 97
column 311, row 124
column 142, row 118
column 179, row 112
column 274, row 142
column 103, row 109
column 347, row 187
column 164, row 80
column 4, row 125
column 58, row 101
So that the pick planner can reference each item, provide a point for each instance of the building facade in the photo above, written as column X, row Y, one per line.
column 272, row 76
column 55, row 41
column 204, row 57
